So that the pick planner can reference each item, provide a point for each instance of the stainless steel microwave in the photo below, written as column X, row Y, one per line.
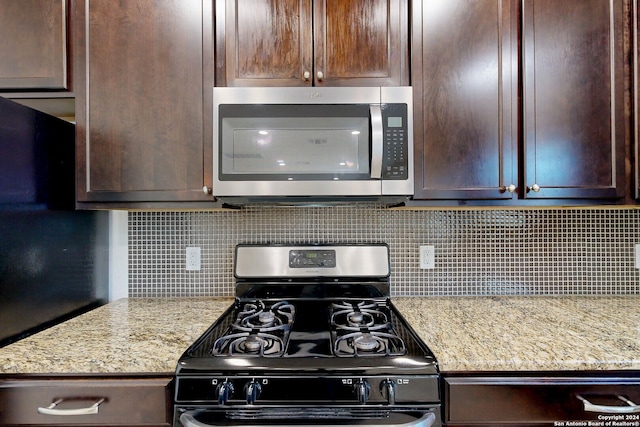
column 313, row 145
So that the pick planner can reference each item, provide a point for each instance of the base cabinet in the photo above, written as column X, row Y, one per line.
column 542, row 401
column 88, row 401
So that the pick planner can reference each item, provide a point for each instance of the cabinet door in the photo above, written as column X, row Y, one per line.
column 361, row 43
column 305, row 42
column 465, row 76
column 538, row 401
column 636, row 98
column 573, row 100
column 125, row 401
column 264, row 42
column 141, row 99
column 33, row 44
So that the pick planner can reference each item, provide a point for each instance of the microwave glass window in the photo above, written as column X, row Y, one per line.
column 283, row 145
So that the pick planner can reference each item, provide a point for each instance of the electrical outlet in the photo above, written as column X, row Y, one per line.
column 193, row 258
column 638, row 256
column 427, row 256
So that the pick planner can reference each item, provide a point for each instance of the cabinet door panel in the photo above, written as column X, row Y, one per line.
column 33, row 44
column 573, row 98
column 127, row 401
column 140, row 121
column 532, row 401
column 361, row 42
column 277, row 42
column 466, row 98
column 636, row 98
column 264, row 42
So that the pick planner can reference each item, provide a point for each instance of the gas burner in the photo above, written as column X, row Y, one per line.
column 249, row 344
column 357, row 314
column 359, row 318
column 258, row 330
column 256, row 315
column 363, row 329
column 368, row 344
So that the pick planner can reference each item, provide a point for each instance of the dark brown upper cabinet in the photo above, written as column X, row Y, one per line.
column 34, row 45
column 636, row 98
column 573, row 99
column 312, row 43
column 142, row 70
column 465, row 79
column 519, row 109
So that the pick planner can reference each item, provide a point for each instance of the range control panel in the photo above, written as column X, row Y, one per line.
column 304, row 258
column 375, row 390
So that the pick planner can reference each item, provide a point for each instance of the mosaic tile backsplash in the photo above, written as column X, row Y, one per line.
column 478, row 252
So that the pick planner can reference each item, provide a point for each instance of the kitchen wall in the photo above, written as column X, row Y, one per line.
column 478, row 252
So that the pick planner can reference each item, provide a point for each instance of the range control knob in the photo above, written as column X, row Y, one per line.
column 224, row 391
column 252, row 391
column 362, row 390
column 388, row 391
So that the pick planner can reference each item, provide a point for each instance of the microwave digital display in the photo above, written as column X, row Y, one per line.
column 394, row 122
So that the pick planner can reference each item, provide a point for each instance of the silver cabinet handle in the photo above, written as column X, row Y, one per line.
column 306, row 75
column 206, row 190
column 51, row 409
column 427, row 420
column 535, row 188
column 320, row 75
column 631, row 409
column 376, row 141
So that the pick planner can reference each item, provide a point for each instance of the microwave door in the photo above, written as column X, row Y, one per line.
column 300, row 150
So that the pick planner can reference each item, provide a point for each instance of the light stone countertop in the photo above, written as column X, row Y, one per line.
column 465, row 333
column 529, row 333
column 126, row 336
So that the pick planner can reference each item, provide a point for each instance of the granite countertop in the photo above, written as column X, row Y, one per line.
column 532, row 333
column 465, row 333
column 125, row 336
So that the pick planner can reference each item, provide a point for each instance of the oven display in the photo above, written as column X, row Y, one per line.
column 306, row 258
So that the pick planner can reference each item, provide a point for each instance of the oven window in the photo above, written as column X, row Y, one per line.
column 291, row 142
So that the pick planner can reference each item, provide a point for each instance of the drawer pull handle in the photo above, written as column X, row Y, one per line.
column 51, row 409
column 631, row 409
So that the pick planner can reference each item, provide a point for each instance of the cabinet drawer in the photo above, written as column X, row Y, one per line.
column 123, row 401
column 536, row 400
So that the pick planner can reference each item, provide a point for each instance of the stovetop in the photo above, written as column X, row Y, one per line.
column 309, row 335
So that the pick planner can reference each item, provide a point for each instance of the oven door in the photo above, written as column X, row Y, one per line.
column 291, row 417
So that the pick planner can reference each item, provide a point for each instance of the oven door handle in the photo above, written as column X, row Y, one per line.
column 377, row 141
column 427, row 420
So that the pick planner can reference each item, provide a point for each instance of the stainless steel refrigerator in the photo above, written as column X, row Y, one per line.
column 53, row 259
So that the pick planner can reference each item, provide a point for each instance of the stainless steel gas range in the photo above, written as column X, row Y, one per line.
column 312, row 339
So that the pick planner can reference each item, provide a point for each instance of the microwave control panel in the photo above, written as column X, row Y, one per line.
column 395, row 164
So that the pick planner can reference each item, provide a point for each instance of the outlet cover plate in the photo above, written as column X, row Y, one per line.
column 193, row 258
column 427, row 257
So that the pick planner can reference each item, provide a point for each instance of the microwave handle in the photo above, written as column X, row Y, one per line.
column 377, row 145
